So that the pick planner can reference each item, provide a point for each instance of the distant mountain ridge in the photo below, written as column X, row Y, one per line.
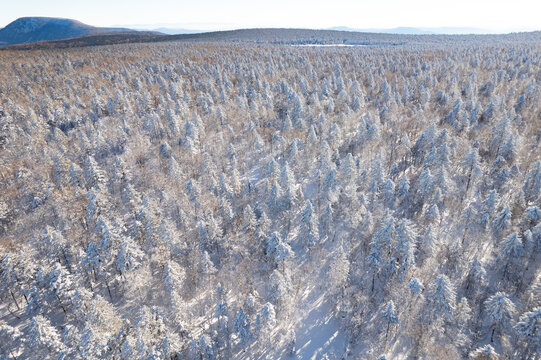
column 177, row 31
column 33, row 29
column 112, row 36
column 398, row 30
column 404, row 30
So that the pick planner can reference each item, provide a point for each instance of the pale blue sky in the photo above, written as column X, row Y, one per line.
column 215, row 14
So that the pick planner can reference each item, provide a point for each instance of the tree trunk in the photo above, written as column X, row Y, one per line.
column 464, row 236
column 391, row 157
column 12, row 355
column 386, row 334
column 468, row 184
column 108, row 289
column 60, row 303
column 505, row 269
column 66, row 259
column 12, row 313
column 14, row 300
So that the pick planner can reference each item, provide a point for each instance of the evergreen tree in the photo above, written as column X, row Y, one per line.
column 308, row 226
column 512, row 246
column 266, row 319
column 428, row 243
column 390, row 315
column 502, row 220
column 129, row 257
column 443, row 296
column 326, row 222
column 500, row 309
column 416, row 286
column 471, row 167
column 43, row 337
column 529, row 326
column 489, row 207
column 264, row 225
column 532, row 182
column 328, row 181
column 11, row 336
column 406, row 237
column 386, row 235
column 249, row 221
column 388, row 193
column 94, row 175
column 241, row 327
column 278, row 287
column 486, row 352
column 274, row 199
column 277, row 249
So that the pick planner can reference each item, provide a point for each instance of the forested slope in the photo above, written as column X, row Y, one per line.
column 169, row 201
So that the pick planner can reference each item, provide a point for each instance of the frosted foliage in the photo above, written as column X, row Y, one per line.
column 416, row 286
column 43, row 336
column 512, row 246
column 486, row 352
column 389, row 314
column 233, row 195
column 443, row 296
column 308, row 225
column 529, row 325
column 500, row 308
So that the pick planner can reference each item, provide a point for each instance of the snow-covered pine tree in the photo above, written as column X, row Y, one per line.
column 442, row 296
column 471, row 167
column 406, row 237
column 532, row 182
column 486, row 352
column 278, row 250
column 249, row 221
column 326, row 222
column 43, row 338
column 274, row 200
column 242, row 328
column 500, row 309
column 529, row 327
column 416, row 286
column 512, row 246
column 308, row 231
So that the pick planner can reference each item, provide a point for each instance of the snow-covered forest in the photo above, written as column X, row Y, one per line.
column 244, row 201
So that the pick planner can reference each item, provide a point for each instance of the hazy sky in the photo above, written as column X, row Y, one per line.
column 502, row 15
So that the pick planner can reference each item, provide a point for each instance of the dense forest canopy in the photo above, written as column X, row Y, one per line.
column 217, row 201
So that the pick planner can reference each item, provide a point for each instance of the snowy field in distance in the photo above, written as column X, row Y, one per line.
column 328, row 45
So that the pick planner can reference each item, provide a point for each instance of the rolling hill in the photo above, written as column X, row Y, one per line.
column 51, row 33
column 33, row 29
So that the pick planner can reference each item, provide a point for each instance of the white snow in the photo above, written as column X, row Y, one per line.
column 328, row 45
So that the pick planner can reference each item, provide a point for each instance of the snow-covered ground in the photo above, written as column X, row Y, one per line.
column 317, row 331
column 329, row 45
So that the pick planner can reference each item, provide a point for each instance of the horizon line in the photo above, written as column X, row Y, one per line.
column 209, row 27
